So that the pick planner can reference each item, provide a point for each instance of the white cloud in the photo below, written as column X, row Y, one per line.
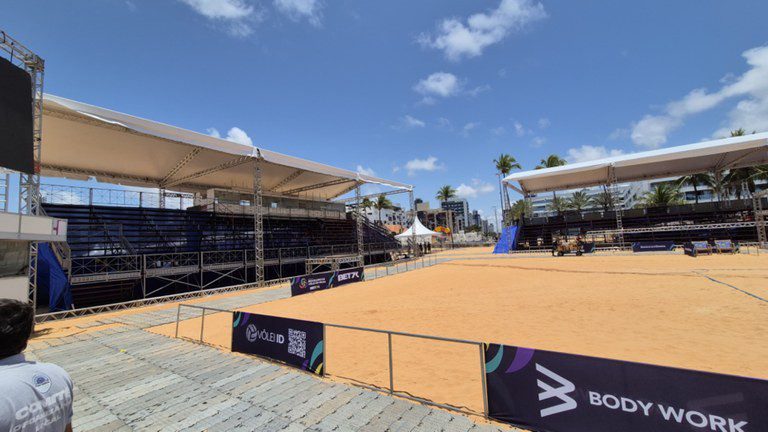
column 479, row 89
column 588, row 153
column 428, row 164
column 365, row 171
column 237, row 16
column 538, row 142
column 469, row 127
column 235, row 134
column 751, row 112
column 519, row 129
column 544, row 123
column 498, row 131
column 439, row 84
column 478, row 187
column 619, row 134
column 409, row 122
column 443, row 122
column 458, row 40
column 296, row 10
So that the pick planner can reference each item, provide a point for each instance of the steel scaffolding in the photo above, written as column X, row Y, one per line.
column 29, row 184
column 760, row 214
column 258, row 223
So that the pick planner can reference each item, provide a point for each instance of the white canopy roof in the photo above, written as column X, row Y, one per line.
column 735, row 152
column 421, row 231
column 81, row 140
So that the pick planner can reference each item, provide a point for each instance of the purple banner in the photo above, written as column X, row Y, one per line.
column 320, row 281
column 549, row 391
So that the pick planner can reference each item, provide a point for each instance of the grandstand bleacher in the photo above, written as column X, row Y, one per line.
column 537, row 232
column 113, row 248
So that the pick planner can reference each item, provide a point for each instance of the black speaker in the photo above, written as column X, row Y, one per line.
column 16, row 141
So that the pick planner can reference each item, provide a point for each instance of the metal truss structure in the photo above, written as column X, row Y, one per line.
column 618, row 205
column 201, row 270
column 29, row 184
column 668, row 228
column 760, row 215
column 312, row 265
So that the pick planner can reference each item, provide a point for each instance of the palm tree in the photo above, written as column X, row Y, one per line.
column 445, row 193
column 696, row 180
column 364, row 205
column 579, row 200
column 382, row 202
column 663, row 195
column 551, row 161
column 558, row 205
column 604, row 199
column 738, row 132
column 745, row 176
column 520, row 208
column 504, row 165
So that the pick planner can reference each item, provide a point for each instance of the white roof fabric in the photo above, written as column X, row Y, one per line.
column 421, row 231
column 81, row 140
column 727, row 153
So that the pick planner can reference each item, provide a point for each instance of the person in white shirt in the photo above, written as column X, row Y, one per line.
column 33, row 396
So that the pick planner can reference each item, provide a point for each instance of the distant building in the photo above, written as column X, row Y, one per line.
column 460, row 209
column 631, row 194
column 393, row 216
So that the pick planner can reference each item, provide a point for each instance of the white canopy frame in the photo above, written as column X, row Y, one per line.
column 715, row 156
column 83, row 141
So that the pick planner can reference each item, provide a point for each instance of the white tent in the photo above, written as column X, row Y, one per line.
column 422, row 232
column 82, row 140
column 721, row 154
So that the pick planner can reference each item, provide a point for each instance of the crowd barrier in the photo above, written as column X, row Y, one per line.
column 306, row 284
column 536, row 389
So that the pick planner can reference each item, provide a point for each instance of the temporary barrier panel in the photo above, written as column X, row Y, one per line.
column 653, row 246
column 294, row 342
column 320, row 281
column 549, row 391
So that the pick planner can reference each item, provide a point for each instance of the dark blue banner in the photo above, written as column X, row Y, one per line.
column 549, row 391
column 320, row 281
column 652, row 246
column 294, row 342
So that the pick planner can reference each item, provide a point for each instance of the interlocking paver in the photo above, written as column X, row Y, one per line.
column 129, row 379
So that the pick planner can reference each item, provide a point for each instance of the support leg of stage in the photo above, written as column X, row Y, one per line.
column 258, row 223
column 359, row 229
column 414, row 247
column 618, row 205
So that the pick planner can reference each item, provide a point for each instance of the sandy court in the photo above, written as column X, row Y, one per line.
column 659, row 309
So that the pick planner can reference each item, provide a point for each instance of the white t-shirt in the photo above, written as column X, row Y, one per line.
column 34, row 396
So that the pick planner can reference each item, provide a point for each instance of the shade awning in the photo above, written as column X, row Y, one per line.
column 727, row 153
column 82, row 141
column 421, row 231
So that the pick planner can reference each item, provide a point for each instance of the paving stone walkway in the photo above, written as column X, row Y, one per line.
column 129, row 379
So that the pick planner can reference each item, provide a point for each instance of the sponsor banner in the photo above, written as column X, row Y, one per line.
column 660, row 246
column 320, row 281
column 294, row 342
column 549, row 391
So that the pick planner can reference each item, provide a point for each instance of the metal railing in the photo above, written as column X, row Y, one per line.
column 77, row 195
column 391, row 389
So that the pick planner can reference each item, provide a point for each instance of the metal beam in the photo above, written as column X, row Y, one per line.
column 226, row 165
column 376, row 195
column 294, row 175
column 179, row 165
column 98, row 173
column 297, row 191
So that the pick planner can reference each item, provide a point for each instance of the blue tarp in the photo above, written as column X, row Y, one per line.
column 507, row 240
column 52, row 280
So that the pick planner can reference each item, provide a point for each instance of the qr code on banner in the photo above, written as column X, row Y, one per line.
column 297, row 343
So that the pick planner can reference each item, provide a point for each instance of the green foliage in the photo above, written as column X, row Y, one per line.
column 445, row 193
column 663, row 195
column 578, row 201
column 506, row 163
column 551, row 161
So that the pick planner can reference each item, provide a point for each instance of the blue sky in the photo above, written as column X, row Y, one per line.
column 426, row 92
